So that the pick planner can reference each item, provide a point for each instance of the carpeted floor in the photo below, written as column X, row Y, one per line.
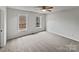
column 41, row 42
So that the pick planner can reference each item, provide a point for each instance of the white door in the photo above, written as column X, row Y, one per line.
column 1, row 34
column 1, row 31
column 3, row 15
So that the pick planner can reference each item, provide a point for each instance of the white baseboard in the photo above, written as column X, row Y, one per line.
column 18, row 36
column 67, row 36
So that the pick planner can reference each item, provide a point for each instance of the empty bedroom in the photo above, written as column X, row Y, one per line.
column 39, row 29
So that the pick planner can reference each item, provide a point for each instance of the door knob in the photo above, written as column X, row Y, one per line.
column 0, row 30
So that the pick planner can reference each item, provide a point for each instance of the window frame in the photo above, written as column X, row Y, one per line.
column 40, row 21
column 26, row 15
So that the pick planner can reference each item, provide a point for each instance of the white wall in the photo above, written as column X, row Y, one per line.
column 65, row 23
column 13, row 23
column 3, row 18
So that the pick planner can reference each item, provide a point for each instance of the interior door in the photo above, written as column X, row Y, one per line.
column 0, row 30
column 3, row 15
column 1, row 34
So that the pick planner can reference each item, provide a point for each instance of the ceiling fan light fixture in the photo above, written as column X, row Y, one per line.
column 46, row 8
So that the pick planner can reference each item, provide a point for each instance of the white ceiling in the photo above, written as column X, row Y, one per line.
column 37, row 8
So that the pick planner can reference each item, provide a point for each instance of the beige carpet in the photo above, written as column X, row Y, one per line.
column 41, row 42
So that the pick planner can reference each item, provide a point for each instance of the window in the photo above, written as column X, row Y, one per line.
column 37, row 21
column 22, row 23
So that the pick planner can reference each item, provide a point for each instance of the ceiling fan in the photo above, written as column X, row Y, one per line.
column 46, row 8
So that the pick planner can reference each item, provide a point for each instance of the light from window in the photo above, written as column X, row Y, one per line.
column 37, row 21
column 22, row 23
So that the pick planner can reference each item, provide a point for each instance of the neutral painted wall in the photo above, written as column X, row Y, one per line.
column 13, row 23
column 3, row 18
column 65, row 23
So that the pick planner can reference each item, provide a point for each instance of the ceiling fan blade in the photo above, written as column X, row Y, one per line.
column 47, row 8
